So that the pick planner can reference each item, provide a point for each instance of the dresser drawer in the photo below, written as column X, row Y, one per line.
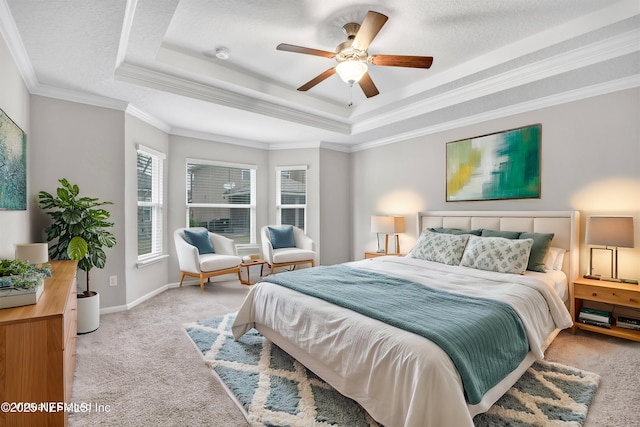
column 69, row 367
column 70, row 317
column 623, row 297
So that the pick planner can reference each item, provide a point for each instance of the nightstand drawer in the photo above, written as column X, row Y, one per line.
column 624, row 297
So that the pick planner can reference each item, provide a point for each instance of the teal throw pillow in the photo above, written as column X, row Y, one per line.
column 282, row 237
column 456, row 231
column 541, row 244
column 505, row 234
column 199, row 237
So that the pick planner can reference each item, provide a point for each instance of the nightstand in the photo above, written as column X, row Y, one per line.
column 377, row 254
column 622, row 294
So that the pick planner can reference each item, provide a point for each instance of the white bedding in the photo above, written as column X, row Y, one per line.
column 400, row 378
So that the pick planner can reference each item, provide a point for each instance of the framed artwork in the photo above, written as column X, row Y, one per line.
column 13, row 165
column 501, row 165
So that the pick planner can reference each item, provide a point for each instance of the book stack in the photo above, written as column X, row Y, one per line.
column 591, row 316
column 628, row 323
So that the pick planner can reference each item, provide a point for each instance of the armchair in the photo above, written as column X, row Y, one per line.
column 205, row 265
column 300, row 251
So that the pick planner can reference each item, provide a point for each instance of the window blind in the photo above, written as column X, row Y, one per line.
column 150, row 202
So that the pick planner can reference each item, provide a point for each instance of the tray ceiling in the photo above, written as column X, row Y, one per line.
column 156, row 58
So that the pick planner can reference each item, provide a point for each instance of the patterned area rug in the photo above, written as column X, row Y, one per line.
column 274, row 390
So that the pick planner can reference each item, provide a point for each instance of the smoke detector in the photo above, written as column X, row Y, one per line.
column 222, row 53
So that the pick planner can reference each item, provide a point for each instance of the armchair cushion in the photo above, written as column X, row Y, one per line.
column 199, row 237
column 282, row 237
column 285, row 255
column 213, row 262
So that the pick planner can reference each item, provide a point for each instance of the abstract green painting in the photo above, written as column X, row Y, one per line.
column 501, row 165
column 13, row 165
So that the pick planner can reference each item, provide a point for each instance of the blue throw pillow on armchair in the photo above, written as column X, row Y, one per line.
column 282, row 237
column 199, row 237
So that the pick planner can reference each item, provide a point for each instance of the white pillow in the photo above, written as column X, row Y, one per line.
column 440, row 247
column 554, row 259
column 497, row 254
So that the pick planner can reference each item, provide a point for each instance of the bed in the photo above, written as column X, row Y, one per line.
column 403, row 378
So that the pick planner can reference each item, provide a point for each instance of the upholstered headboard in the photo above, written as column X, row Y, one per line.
column 564, row 225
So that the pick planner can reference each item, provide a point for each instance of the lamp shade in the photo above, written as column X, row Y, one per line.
column 387, row 224
column 35, row 253
column 351, row 71
column 610, row 231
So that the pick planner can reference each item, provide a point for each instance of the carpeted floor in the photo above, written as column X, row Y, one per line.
column 141, row 367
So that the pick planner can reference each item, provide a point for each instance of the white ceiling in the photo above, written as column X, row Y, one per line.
column 155, row 59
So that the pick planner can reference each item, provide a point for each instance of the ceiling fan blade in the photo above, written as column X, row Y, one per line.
column 319, row 78
column 401, row 61
column 305, row 50
column 367, row 86
column 370, row 27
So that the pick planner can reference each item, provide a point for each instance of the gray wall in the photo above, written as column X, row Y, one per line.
column 335, row 207
column 181, row 148
column 300, row 157
column 141, row 281
column 590, row 157
column 14, row 101
column 84, row 144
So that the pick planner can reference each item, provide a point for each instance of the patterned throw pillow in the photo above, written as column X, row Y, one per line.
column 440, row 247
column 497, row 254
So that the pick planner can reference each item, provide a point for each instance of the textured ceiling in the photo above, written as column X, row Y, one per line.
column 156, row 58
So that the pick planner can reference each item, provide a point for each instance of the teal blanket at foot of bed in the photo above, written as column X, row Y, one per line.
column 485, row 338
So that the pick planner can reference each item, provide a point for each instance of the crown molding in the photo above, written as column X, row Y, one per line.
column 344, row 148
column 578, row 58
column 148, row 118
column 168, row 83
column 294, row 145
column 548, row 101
column 79, row 97
column 218, row 138
column 12, row 37
column 129, row 13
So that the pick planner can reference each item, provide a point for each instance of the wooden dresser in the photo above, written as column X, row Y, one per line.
column 38, row 351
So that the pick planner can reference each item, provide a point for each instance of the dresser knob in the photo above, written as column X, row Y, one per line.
column 594, row 294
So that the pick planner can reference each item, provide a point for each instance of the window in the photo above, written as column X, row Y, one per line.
column 150, row 229
column 291, row 195
column 222, row 198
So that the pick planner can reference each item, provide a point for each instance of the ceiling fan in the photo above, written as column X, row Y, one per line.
column 352, row 55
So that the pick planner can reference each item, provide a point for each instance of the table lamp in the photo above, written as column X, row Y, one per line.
column 387, row 225
column 35, row 253
column 611, row 232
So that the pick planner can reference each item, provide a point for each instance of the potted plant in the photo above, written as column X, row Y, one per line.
column 21, row 283
column 80, row 225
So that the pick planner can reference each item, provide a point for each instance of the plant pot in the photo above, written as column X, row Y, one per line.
column 88, row 312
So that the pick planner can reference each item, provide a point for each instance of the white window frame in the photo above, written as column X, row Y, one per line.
column 279, row 204
column 156, row 203
column 251, row 206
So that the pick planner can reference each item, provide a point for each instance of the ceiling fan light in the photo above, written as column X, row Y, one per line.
column 351, row 71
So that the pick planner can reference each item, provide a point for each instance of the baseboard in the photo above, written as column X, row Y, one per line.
column 140, row 300
column 152, row 294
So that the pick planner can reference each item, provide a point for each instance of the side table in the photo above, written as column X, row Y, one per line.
column 247, row 265
column 617, row 294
